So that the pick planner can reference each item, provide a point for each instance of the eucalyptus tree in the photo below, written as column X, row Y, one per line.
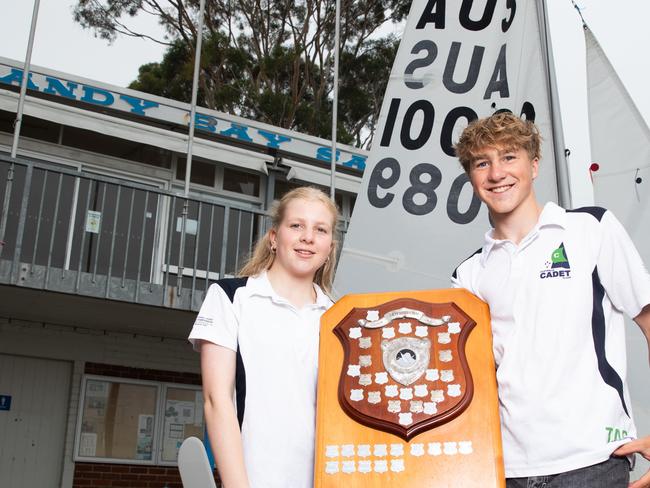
column 270, row 60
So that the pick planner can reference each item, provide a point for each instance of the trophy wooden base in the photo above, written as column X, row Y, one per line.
column 392, row 414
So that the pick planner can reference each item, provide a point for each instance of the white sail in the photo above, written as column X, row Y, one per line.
column 416, row 217
column 620, row 145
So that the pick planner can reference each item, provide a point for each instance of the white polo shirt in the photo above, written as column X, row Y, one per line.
column 556, row 303
column 277, row 361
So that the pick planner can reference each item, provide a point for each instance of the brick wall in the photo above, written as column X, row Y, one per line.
column 125, row 475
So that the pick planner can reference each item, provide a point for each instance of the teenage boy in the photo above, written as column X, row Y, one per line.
column 557, row 282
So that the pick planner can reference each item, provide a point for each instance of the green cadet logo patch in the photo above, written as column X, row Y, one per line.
column 558, row 266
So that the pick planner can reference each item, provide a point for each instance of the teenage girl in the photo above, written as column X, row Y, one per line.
column 258, row 339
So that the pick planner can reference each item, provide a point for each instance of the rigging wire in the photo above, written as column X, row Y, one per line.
column 579, row 10
column 595, row 167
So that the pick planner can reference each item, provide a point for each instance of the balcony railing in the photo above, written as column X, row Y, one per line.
column 91, row 235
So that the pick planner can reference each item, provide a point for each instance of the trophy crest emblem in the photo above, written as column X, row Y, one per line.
column 406, row 358
column 404, row 368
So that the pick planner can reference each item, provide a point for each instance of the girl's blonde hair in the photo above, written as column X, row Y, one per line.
column 262, row 257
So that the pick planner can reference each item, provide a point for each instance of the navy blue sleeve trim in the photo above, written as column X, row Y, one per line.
column 230, row 286
column 597, row 212
column 454, row 274
column 240, row 387
column 607, row 372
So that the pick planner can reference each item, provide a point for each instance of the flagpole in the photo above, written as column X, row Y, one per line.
column 335, row 98
column 23, row 84
column 195, row 89
column 18, row 124
column 190, row 140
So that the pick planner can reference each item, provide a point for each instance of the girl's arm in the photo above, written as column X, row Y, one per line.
column 218, row 372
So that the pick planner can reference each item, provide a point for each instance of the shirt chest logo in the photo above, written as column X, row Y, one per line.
column 558, row 266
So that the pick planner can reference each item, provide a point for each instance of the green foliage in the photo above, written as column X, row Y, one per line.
column 267, row 60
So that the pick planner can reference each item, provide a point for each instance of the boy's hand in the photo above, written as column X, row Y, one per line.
column 640, row 446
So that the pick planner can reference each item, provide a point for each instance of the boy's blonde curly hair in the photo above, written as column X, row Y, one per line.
column 504, row 130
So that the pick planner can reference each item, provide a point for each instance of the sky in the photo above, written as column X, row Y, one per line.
column 62, row 45
column 623, row 37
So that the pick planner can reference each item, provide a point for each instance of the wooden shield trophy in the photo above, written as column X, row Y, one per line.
column 407, row 393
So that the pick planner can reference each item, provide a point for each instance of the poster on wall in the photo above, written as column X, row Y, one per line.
column 179, row 414
column 144, row 448
column 96, row 397
column 88, row 444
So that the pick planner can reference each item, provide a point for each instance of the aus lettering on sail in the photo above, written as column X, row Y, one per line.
column 454, row 67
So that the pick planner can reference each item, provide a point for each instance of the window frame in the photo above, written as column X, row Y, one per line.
column 216, row 189
column 161, row 388
column 163, row 397
column 234, row 194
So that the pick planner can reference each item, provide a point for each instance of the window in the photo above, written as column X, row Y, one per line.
column 114, row 146
column 138, row 422
column 283, row 186
column 202, row 173
column 241, row 182
column 33, row 127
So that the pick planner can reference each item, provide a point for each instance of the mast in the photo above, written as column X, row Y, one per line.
column 561, row 153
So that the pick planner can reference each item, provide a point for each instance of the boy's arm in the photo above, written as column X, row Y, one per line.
column 643, row 320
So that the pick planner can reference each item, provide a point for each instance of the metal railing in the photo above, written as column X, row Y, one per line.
column 73, row 232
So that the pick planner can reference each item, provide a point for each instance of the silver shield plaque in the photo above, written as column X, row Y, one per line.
column 406, row 358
